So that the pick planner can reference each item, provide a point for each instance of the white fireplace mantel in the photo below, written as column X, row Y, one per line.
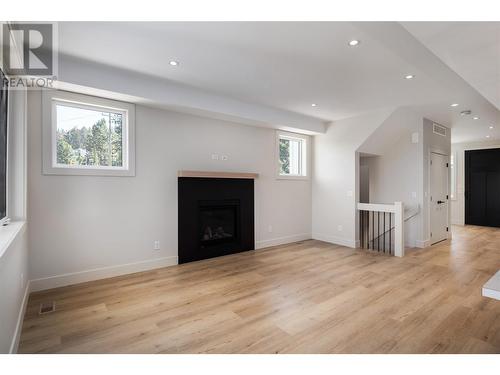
column 211, row 174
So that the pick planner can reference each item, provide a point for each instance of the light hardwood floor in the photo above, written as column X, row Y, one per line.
column 310, row 297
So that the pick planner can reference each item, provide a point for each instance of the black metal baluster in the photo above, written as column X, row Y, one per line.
column 378, row 231
column 390, row 233
column 367, row 219
column 384, row 232
column 373, row 230
column 368, row 230
column 362, row 228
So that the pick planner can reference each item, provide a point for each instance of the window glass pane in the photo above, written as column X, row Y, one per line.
column 295, row 157
column 284, row 156
column 290, row 156
column 88, row 137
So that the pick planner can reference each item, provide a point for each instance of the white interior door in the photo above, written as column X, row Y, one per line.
column 439, row 197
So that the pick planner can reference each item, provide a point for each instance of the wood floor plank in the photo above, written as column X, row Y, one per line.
column 308, row 297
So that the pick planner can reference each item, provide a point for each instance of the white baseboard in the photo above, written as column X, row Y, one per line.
column 17, row 333
column 336, row 240
column 423, row 244
column 410, row 243
column 282, row 240
column 100, row 273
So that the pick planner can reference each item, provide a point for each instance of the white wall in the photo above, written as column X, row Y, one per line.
column 334, row 188
column 82, row 223
column 395, row 174
column 458, row 149
column 13, row 286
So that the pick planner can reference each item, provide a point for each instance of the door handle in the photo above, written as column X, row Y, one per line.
column 440, row 202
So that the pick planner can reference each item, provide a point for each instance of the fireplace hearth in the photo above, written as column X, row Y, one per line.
column 216, row 217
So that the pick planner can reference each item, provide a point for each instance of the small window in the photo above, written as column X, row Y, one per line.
column 292, row 155
column 87, row 135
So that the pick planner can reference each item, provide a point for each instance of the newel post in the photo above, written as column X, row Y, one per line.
column 399, row 230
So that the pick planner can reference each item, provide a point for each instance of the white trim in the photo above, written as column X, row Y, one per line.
column 430, row 151
column 20, row 318
column 453, row 175
column 7, row 158
column 282, row 240
column 336, row 240
column 423, row 244
column 101, row 273
column 50, row 98
column 8, row 233
column 377, row 207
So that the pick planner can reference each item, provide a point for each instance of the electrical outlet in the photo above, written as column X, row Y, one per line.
column 349, row 193
column 340, row 228
column 270, row 228
column 413, row 194
column 22, row 280
column 157, row 245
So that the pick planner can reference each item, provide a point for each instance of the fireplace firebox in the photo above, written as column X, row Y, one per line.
column 216, row 217
column 218, row 222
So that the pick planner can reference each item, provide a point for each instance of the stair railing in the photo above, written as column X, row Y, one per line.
column 382, row 227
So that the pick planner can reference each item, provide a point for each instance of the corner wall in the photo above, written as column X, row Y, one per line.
column 395, row 173
column 335, row 173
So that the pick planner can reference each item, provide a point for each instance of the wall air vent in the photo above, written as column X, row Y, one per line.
column 438, row 129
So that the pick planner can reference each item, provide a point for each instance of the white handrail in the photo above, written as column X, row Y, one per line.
column 398, row 210
column 376, row 207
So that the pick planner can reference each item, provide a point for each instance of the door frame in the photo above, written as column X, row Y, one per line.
column 448, row 217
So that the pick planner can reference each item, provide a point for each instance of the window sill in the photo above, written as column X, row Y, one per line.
column 298, row 178
column 103, row 172
column 8, row 234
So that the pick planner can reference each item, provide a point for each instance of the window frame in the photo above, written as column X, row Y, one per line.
column 304, row 155
column 50, row 100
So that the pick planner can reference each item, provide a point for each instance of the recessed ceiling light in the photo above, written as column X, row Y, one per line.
column 454, row 105
column 354, row 43
column 487, row 136
column 173, row 63
column 313, row 105
column 491, row 127
column 409, row 76
column 475, row 118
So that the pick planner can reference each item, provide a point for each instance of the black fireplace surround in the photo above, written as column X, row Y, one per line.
column 216, row 217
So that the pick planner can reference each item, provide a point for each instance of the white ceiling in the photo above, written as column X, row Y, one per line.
column 289, row 65
column 471, row 49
